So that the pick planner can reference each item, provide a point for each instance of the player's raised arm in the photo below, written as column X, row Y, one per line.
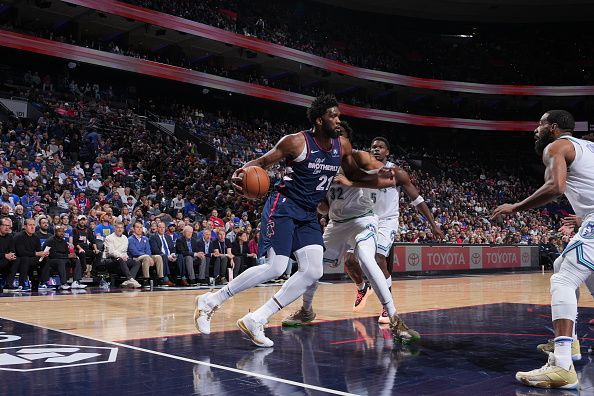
column 403, row 179
column 557, row 157
column 285, row 148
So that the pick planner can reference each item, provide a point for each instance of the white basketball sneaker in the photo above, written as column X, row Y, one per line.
column 203, row 313
column 255, row 330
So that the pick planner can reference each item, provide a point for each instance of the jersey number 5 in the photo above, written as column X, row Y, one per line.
column 325, row 182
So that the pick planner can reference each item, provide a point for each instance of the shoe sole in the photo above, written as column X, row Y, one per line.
column 361, row 306
column 296, row 323
column 248, row 333
column 546, row 385
column 383, row 320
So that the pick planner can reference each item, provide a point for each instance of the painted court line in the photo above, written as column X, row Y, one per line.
column 188, row 360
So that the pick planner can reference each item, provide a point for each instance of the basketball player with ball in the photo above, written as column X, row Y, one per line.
column 289, row 222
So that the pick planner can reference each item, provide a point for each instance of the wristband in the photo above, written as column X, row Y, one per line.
column 418, row 201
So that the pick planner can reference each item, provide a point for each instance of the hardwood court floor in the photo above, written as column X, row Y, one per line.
column 140, row 314
column 477, row 331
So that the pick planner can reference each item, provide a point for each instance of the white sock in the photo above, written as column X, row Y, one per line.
column 563, row 352
column 266, row 311
column 361, row 286
column 389, row 281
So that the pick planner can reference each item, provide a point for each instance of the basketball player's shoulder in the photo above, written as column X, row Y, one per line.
column 292, row 143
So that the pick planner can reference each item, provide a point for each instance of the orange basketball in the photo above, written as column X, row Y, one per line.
column 255, row 182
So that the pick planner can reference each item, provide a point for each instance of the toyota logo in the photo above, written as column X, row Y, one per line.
column 476, row 258
column 525, row 257
column 413, row 259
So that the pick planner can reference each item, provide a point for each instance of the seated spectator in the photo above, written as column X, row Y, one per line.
column 216, row 221
column 65, row 222
column 59, row 257
column 9, row 264
column 85, row 245
column 116, row 249
column 204, row 254
column 241, row 253
column 28, row 251
column 162, row 245
column 43, row 232
column 104, row 229
column 221, row 256
column 82, row 202
column 139, row 249
column 186, row 247
column 95, row 184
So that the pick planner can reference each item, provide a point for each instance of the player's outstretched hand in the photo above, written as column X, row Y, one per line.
column 572, row 221
column 343, row 181
column 237, row 180
column 504, row 209
column 566, row 230
column 437, row 233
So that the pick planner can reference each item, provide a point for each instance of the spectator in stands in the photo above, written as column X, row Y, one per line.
column 28, row 251
column 216, row 221
column 116, row 249
column 222, row 256
column 59, row 256
column 43, row 232
column 186, row 247
column 240, row 251
column 95, row 184
column 104, row 229
column 139, row 249
column 204, row 254
column 65, row 222
column 85, row 245
column 162, row 245
column 9, row 264
column 18, row 218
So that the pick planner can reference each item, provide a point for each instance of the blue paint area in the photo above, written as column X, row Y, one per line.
column 464, row 351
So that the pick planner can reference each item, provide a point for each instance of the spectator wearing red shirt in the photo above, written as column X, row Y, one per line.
column 217, row 222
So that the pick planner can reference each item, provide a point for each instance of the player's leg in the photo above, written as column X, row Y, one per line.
column 276, row 241
column 333, row 238
column 559, row 371
column 309, row 252
column 385, row 240
column 355, row 272
column 549, row 347
column 365, row 252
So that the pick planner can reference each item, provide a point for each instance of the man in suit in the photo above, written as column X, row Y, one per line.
column 162, row 245
column 221, row 255
column 186, row 247
column 204, row 254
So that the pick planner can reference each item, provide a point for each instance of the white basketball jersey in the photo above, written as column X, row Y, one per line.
column 386, row 202
column 580, row 177
column 348, row 202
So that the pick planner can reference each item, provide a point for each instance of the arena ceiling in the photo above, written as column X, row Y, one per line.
column 503, row 11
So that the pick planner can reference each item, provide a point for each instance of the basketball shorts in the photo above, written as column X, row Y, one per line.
column 287, row 227
column 578, row 256
column 386, row 232
column 342, row 237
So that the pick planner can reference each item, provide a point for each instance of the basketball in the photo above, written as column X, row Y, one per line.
column 255, row 182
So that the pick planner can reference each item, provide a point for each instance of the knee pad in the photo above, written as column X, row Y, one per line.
column 310, row 259
column 563, row 298
column 277, row 265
